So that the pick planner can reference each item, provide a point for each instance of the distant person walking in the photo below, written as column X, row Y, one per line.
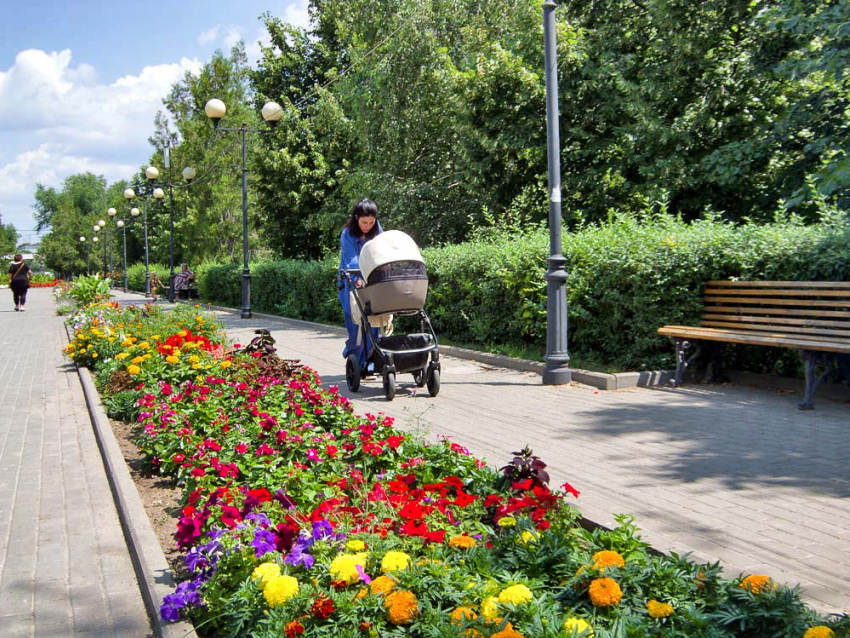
column 19, row 281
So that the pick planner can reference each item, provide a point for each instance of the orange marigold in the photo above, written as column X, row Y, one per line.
column 382, row 585
column 658, row 609
column 463, row 542
column 402, row 607
column 507, row 632
column 756, row 582
column 605, row 592
column 463, row 614
column 607, row 558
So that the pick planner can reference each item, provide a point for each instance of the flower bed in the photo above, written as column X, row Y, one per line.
column 301, row 517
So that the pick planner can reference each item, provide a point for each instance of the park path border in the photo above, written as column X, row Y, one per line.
column 152, row 571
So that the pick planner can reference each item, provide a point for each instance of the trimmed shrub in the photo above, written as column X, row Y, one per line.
column 627, row 278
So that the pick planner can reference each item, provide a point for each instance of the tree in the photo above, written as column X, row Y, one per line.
column 8, row 238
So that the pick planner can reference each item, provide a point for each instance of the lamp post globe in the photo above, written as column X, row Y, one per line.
column 82, row 238
column 94, row 239
column 151, row 172
column 272, row 113
column 129, row 193
column 215, row 110
column 189, row 173
column 96, row 227
column 158, row 193
column 101, row 223
column 134, row 212
column 120, row 223
column 112, row 212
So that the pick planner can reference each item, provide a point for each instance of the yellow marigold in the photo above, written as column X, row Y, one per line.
column 121, row 355
column 489, row 608
column 355, row 545
column 756, row 582
column 402, row 607
column 146, row 356
column 395, row 560
column 819, row 631
column 527, row 538
column 194, row 359
column 176, row 352
column 155, row 337
column 172, row 359
column 197, row 366
column 133, row 369
column 576, row 627
column 94, row 355
column 144, row 345
column 344, row 567
column 515, row 595
column 463, row 542
column 382, row 585
column 137, row 360
column 182, row 333
column 659, row 610
column 280, row 589
column 264, row 573
column 225, row 364
column 605, row 592
column 607, row 558
column 507, row 521
column 127, row 342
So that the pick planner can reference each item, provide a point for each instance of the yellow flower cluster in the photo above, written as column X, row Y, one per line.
column 279, row 589
column 344, row 567
column 507, row 521
column 355, row 545
column 819, row 631
column 659, row 610
column 527, row 538
column 576, row 627
column 515, row 595
column 264, row 573
column 393, row 561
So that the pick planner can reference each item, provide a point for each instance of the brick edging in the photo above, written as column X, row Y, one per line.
column 152, row 571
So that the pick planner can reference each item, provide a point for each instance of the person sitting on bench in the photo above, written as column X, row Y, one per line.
column 182, row 281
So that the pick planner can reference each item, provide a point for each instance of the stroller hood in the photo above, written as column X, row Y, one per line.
column 390, row 246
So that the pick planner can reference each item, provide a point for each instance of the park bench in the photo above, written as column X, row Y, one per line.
column 812, row 317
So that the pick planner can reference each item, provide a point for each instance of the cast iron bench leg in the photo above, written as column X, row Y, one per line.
column 811, row 359
column 682, row 360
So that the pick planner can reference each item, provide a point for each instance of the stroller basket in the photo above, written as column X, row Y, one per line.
column 410, row 352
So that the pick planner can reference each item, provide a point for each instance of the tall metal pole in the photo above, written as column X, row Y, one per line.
column 557, row 368
column 246, row 272
column 166, row 156
column 147, row 265
column 124, row 233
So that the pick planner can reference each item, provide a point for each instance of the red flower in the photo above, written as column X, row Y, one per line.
column 569, row 488
column 522, row 485
column 294, row 628
column 178, row 458
column 322, row 607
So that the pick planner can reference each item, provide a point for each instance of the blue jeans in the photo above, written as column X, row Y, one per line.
column 351, row 346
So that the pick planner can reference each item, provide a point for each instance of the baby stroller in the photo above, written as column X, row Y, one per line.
column 396, row 285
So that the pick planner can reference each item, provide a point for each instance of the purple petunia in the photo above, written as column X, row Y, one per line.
column 186, row 594
column 263, row 543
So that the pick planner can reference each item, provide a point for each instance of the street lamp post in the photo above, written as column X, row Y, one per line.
column 557, row 368
column 122, row 224
column 112, row 213
column 271, row 113
column 151, row 173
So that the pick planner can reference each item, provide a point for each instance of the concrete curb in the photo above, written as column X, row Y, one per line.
column 599, row 380
column 152, row 570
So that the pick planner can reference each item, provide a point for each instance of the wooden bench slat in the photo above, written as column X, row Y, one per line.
column 711, row 292
column 782, row 302
column 780, row 284
column 738, row 337
column 794, row 331
column 841, row 314
column 814, row 323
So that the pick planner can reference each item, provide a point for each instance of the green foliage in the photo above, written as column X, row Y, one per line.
column 136, row 277
column 627, row 278
column 8, row 238
column 88, row 289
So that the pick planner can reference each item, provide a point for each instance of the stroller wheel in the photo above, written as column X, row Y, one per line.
column 434, row 382
column 389, row 386
column 352, row 372
column 419, row 377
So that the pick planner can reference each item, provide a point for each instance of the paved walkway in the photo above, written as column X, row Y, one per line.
column 730, row 473
column 64, row 566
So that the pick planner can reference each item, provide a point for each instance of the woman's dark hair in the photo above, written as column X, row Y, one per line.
column 363, row 208
column 19, row 257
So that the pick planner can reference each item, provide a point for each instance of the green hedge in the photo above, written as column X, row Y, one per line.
column 627, row 278
column 136, row 277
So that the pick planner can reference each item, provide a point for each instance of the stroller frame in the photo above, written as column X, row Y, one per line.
column 416, row 353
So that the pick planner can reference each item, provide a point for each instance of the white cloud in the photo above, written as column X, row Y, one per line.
column 56, row 120
column 297, row 14
column 232, row 36
column 209, row 35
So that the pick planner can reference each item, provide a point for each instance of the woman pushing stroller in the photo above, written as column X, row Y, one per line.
column 362, row 226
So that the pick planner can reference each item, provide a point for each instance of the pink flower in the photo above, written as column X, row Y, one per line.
column 242, row 447
column 313, row 455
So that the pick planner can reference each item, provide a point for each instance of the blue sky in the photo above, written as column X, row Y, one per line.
column 81, row 81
